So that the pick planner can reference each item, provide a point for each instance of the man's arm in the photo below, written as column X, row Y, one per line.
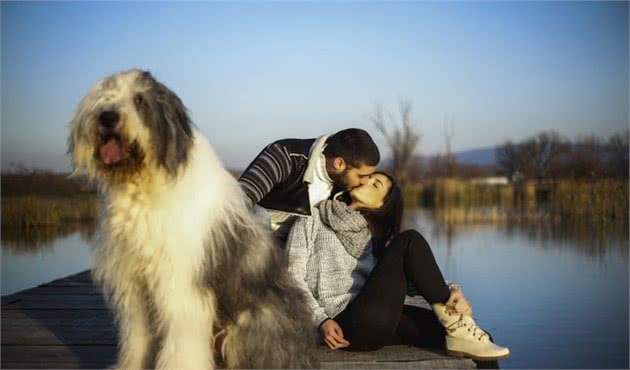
column 272, row 166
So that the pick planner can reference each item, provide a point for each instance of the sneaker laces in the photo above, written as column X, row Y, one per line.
column 470, row 325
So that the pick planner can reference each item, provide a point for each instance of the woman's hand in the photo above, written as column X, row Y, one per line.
column 333, row 335
column 457, row 302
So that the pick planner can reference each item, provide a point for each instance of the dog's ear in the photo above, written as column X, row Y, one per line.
column 71, row 147
column 174, row 130
column 79, row 148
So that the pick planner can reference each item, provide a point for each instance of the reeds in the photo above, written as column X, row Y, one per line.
column 593, row 200
column 37, row 210
column 601, row 200
column 32, row 199
column 446, row 193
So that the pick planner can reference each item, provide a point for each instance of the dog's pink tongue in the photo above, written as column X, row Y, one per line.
column 111, row 152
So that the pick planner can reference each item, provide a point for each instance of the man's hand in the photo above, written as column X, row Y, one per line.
column 333, row 335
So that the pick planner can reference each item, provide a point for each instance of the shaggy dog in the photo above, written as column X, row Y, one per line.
column 187, row 268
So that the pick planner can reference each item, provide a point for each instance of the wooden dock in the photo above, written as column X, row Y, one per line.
column 65, row 324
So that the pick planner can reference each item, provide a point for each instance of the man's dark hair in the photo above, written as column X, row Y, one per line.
column 355, row 146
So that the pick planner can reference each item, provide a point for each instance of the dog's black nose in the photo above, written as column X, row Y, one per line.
column 109, row 118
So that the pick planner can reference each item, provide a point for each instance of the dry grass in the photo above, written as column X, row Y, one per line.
column 44, row 184
column 596, row 200
column 601, row 200
column 30, row 211
column 31, row 199
column 47, row 199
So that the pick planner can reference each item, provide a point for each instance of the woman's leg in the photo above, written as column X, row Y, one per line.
column 464, row 336
column 419, row 327
column 421, row 268
column 370, row 320
column 373, row 318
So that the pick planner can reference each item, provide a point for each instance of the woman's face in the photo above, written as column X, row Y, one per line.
column 372, row 193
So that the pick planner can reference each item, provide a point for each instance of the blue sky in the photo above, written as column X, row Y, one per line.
column 253, row 72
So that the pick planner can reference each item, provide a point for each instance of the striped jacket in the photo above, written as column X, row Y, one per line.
column 275, row 178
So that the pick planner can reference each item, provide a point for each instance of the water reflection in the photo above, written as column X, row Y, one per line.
column 594, row 239
column 556, row 293
column 39, row 255
column 19, row 240
column 591, row 238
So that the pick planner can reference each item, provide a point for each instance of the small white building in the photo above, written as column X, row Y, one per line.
column 491, row 180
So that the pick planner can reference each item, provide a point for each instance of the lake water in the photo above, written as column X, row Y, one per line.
column 556, row 295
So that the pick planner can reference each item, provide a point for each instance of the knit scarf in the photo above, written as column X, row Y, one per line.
column 349, row 225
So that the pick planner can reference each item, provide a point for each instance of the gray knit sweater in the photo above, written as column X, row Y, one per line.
column 323, row 267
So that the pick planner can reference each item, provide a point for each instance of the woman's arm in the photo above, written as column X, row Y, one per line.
column 299, row 248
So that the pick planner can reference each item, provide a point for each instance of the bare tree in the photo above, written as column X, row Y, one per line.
column 449, row 133
column 540, row 151
column 548, row 155
column 510, row 159
column 587, row 160
column 402, row 139
column 618, row 154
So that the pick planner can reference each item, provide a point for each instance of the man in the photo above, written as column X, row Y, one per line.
column 291, row 176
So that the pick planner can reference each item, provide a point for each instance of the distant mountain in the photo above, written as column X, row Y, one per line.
column 482, row 156
column 487, row 156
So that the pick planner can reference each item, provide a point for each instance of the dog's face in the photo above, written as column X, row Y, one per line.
column 129, row 125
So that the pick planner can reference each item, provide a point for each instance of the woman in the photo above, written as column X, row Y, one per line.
column 353, row 265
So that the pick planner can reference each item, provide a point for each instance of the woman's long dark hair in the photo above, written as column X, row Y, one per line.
column 385, row 222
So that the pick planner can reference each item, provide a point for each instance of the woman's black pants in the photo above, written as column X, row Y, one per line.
column 378, row 317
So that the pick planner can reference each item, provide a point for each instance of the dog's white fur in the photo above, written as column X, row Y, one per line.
column 155, row 229
column 162, row 234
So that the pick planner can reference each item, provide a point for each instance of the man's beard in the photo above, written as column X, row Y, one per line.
column 339, row 180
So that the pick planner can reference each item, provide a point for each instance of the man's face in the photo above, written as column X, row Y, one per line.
column 351, row 177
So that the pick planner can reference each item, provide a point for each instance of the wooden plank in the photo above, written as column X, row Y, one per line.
column 57, row 327
column 57, row 365
column 53, row 356
column 446, row 363
column 63, row 289
column 434, row 364
column 59, row 336
column 11, row 298
column 78, row 284
column 65, row 324
column 391, row 357
column 387, row 354
column 431, row 364
column 101, row 356
column 53, row 323
column 81, row 278
column 68, row 283
column 72, row 302
column 23, row 319
column 57, row 353
column 45, row 315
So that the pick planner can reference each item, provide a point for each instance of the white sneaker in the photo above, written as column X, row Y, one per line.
column 465, row 338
